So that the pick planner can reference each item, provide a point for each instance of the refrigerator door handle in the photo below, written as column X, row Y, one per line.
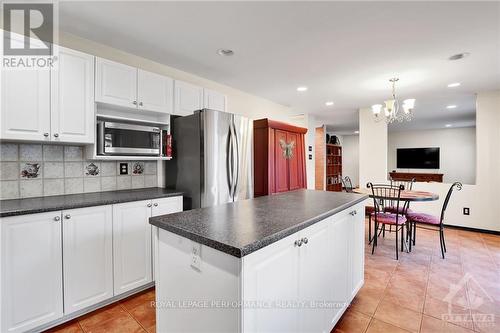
column 236, row 156
column 229, row 162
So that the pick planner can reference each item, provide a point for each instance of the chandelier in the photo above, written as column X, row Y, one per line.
column 392, row 110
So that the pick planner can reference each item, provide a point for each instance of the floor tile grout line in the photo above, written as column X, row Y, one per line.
column 128, row 312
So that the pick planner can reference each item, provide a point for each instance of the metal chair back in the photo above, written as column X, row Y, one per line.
column 455, row 185
column 347, row 183
column 386, row 196
column 408, row 184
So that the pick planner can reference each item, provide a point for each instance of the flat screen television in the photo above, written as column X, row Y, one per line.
column 417, row 158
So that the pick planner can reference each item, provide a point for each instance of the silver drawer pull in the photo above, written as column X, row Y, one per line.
column 67, row 216
column 46, row 134
column 305, row 240
column 134, row 102
column 298, row 242
column 57, row 218
column 56, row 135
column 155, row 204
column 149, row 205
column 140, row 103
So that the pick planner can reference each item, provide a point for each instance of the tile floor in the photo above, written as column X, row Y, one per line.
column 409, row 295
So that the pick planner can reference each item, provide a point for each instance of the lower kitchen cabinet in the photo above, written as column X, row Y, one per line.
column 131, row 245
column 31, row 267
column 87, row 256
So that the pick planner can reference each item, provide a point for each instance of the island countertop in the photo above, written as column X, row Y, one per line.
column 243, row 227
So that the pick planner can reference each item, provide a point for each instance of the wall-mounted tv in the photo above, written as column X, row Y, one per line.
column 417, row 158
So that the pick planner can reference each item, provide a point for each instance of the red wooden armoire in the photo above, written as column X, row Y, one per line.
column 279, row 157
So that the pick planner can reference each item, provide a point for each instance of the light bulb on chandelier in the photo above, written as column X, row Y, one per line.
column 392, row 109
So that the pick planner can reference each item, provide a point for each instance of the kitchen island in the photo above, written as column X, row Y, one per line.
column 283, row 263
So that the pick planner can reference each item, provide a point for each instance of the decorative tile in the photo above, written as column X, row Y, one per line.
column 9, row 152
column 52, row 153
column 150, row 181
column 73, row 169
column 9, row 170
column 137, row 168
column 123, row 182
column 108, row 168
column 30, row 170
column 138, row 182
column 72, row 153
column 53, row 170
column 9, row 189
column 30, row 152
column 53, row 187
column 91, row 184
column 108, row 183
column 150, row 167
column 73, row 185
column 91, row 169
column 30, row 188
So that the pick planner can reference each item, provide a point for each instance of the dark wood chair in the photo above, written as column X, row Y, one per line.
column 347, row 184
column 388, row 196
column 433, row 222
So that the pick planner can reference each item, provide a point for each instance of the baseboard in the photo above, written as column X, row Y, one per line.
column 484, row 231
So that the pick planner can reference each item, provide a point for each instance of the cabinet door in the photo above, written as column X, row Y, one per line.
column 214, row 100
column 187, row 99
column 280, row 161
column 316, row 276
column 115, row 83
column 162, row 206
column 88, row 257
column 131, row 245
column 295, row 161
column 31, row 266
column 357, row 250
column 154, row 92
column 341, row 228
column 72, row 90
column 271, row 276
column 25, row 105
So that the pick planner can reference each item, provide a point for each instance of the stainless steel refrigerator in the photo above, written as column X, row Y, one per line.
column 212, row 158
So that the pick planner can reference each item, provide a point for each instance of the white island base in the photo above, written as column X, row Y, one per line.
column 281, row 287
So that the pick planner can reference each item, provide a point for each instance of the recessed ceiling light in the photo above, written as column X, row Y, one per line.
column 459, row 56
column 302, row 88
column 448, row 125
column 453, row 85
column 451, row 106
column 329, row 103
column 356, row 132
column 225, row 52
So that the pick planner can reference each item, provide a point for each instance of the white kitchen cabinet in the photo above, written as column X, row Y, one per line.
column 131, row 245
column 25, row 105
column 187, row 98
column 88, row 256
column 154, row 92
column 115, row 83
column 31, row 266
column 214, row 100
column 357, row 248
column 72, row 115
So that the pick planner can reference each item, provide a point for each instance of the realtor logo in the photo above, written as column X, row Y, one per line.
column 28, row 35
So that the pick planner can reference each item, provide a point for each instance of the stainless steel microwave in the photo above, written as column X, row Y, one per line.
column 114, row 138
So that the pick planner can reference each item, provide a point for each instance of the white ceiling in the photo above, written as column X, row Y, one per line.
column 343, row 51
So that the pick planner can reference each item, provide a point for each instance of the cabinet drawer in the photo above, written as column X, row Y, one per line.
column 164, row 206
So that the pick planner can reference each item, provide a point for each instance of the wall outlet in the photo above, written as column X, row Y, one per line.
column 310, row 157
column 196, row 256
column 123, row 168
column 466, row 211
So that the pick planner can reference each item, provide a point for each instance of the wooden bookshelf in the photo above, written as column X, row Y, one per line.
column 333, row 168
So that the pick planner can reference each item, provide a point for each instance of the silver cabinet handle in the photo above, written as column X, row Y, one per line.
column 56, row 135
column 155, row 204
column 67, row 216
column 353, row 213
column 57, row 218
column 140, row 103
column 305, row 240
column 149, row 205
column 134, row 102
column 298, row 242
column 45, row 134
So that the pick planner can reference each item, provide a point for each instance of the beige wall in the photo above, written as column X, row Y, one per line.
column 372, row 149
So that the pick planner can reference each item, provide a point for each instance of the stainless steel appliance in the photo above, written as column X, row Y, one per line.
column 115, row 138
column 212, row 159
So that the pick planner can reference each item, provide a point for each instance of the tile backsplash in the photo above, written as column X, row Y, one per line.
column 34, row 170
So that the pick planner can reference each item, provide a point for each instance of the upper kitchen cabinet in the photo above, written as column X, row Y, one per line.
column 25, row 105
column 187, row 98
column 121, row 85
column 154, row 92
column 115, row 83
column 72, row 116
column 214, row 100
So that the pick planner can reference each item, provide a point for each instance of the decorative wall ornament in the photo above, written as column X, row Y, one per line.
column 138, row 168
column 92, row 170
column 287, row 148
column 30, row 170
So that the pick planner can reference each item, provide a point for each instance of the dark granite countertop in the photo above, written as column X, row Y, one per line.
column 243, row 227
column 69, row 201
